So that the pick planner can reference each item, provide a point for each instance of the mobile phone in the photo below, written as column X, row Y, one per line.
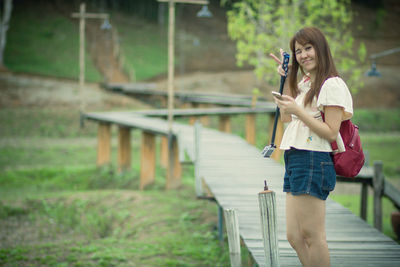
column 277, row 95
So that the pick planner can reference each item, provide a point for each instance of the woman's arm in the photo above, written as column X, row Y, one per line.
column 284, row 116
column 327, row 130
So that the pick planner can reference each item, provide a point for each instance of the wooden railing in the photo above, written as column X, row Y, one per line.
column 373, row 177
column 126, row 121
column 150, row 129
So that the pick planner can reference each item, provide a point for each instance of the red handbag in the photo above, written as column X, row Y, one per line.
column 349, row 162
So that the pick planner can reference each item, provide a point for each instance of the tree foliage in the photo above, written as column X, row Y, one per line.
column 260, row 27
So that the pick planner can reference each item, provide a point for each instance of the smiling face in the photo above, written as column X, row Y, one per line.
column 306, row 57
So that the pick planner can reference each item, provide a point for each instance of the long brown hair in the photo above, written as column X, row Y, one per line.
column 325, row 65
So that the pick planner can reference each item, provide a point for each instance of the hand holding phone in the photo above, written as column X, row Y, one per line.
column 277, row 95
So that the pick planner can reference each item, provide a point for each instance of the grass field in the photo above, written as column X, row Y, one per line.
column 57, row 208
column 50, row 45
column 46, row 46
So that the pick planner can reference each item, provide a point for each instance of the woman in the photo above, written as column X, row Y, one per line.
column 309, row 171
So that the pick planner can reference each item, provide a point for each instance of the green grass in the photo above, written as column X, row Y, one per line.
column 49, row 45
column 377, row 120
column 385, row 148
column 39, row 122
column 144, row 46
column 83, row 216
column 58, row 209
column 116, row 228
column 46, row 44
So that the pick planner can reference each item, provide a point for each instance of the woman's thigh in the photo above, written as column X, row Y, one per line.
column 305, row 216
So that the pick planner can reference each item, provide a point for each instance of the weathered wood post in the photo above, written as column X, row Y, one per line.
column 197, row 144
column 193, row 119
column 250, row 128
column 164, row 152
column 103, row 144
column 148, row 159
column 267, row 201
column 220, row 225
column 82, row 15
column 174, row 170
column 225, row 123
column 251, row 121
column 364, row 192
column 378, row 183
column 232, row 229
column 124, row 148
column 205, row 120
column 364, row 201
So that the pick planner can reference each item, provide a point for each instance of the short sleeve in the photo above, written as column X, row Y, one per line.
column 334, row 92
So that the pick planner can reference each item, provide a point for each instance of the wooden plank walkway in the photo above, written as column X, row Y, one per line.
column 142, row 89
column 235, row 171
column 270, row 108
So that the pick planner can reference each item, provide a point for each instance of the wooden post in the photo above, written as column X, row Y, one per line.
column 225, row 123
column 103, row 144
column 251, row 128
column 364, row 192
column 82, row 56
column 197, row 144
column 174, row 171
column 269, row 230
column 164, row 152
column 220, row 225
column 82, row 15
column 192, row 119
column 364, row 201
column 124, row 148
column 378, row 183
column 254, row 98
column 181, row 148
column 171, row 58
column 205, row 120
column 232, row 229
column 148, row 159
column 276, row 155
column 172, row 145
column 251, row 120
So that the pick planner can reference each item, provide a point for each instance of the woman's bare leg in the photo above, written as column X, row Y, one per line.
column 306, row 218
column 293, row 232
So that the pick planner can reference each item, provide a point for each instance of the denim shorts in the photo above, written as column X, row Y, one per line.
column 309, row 172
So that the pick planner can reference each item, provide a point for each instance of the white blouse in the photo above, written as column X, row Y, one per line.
column 334, row 92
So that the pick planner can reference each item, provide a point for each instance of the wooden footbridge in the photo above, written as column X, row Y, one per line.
column 233, row 171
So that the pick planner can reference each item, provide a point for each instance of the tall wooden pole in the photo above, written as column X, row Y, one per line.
column 82, row 12
column 197, row 144
column 82, row 15
column 171, row 59
column 171, row 56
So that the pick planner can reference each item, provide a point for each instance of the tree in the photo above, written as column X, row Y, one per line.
column 4, row 25
column 263, row 26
